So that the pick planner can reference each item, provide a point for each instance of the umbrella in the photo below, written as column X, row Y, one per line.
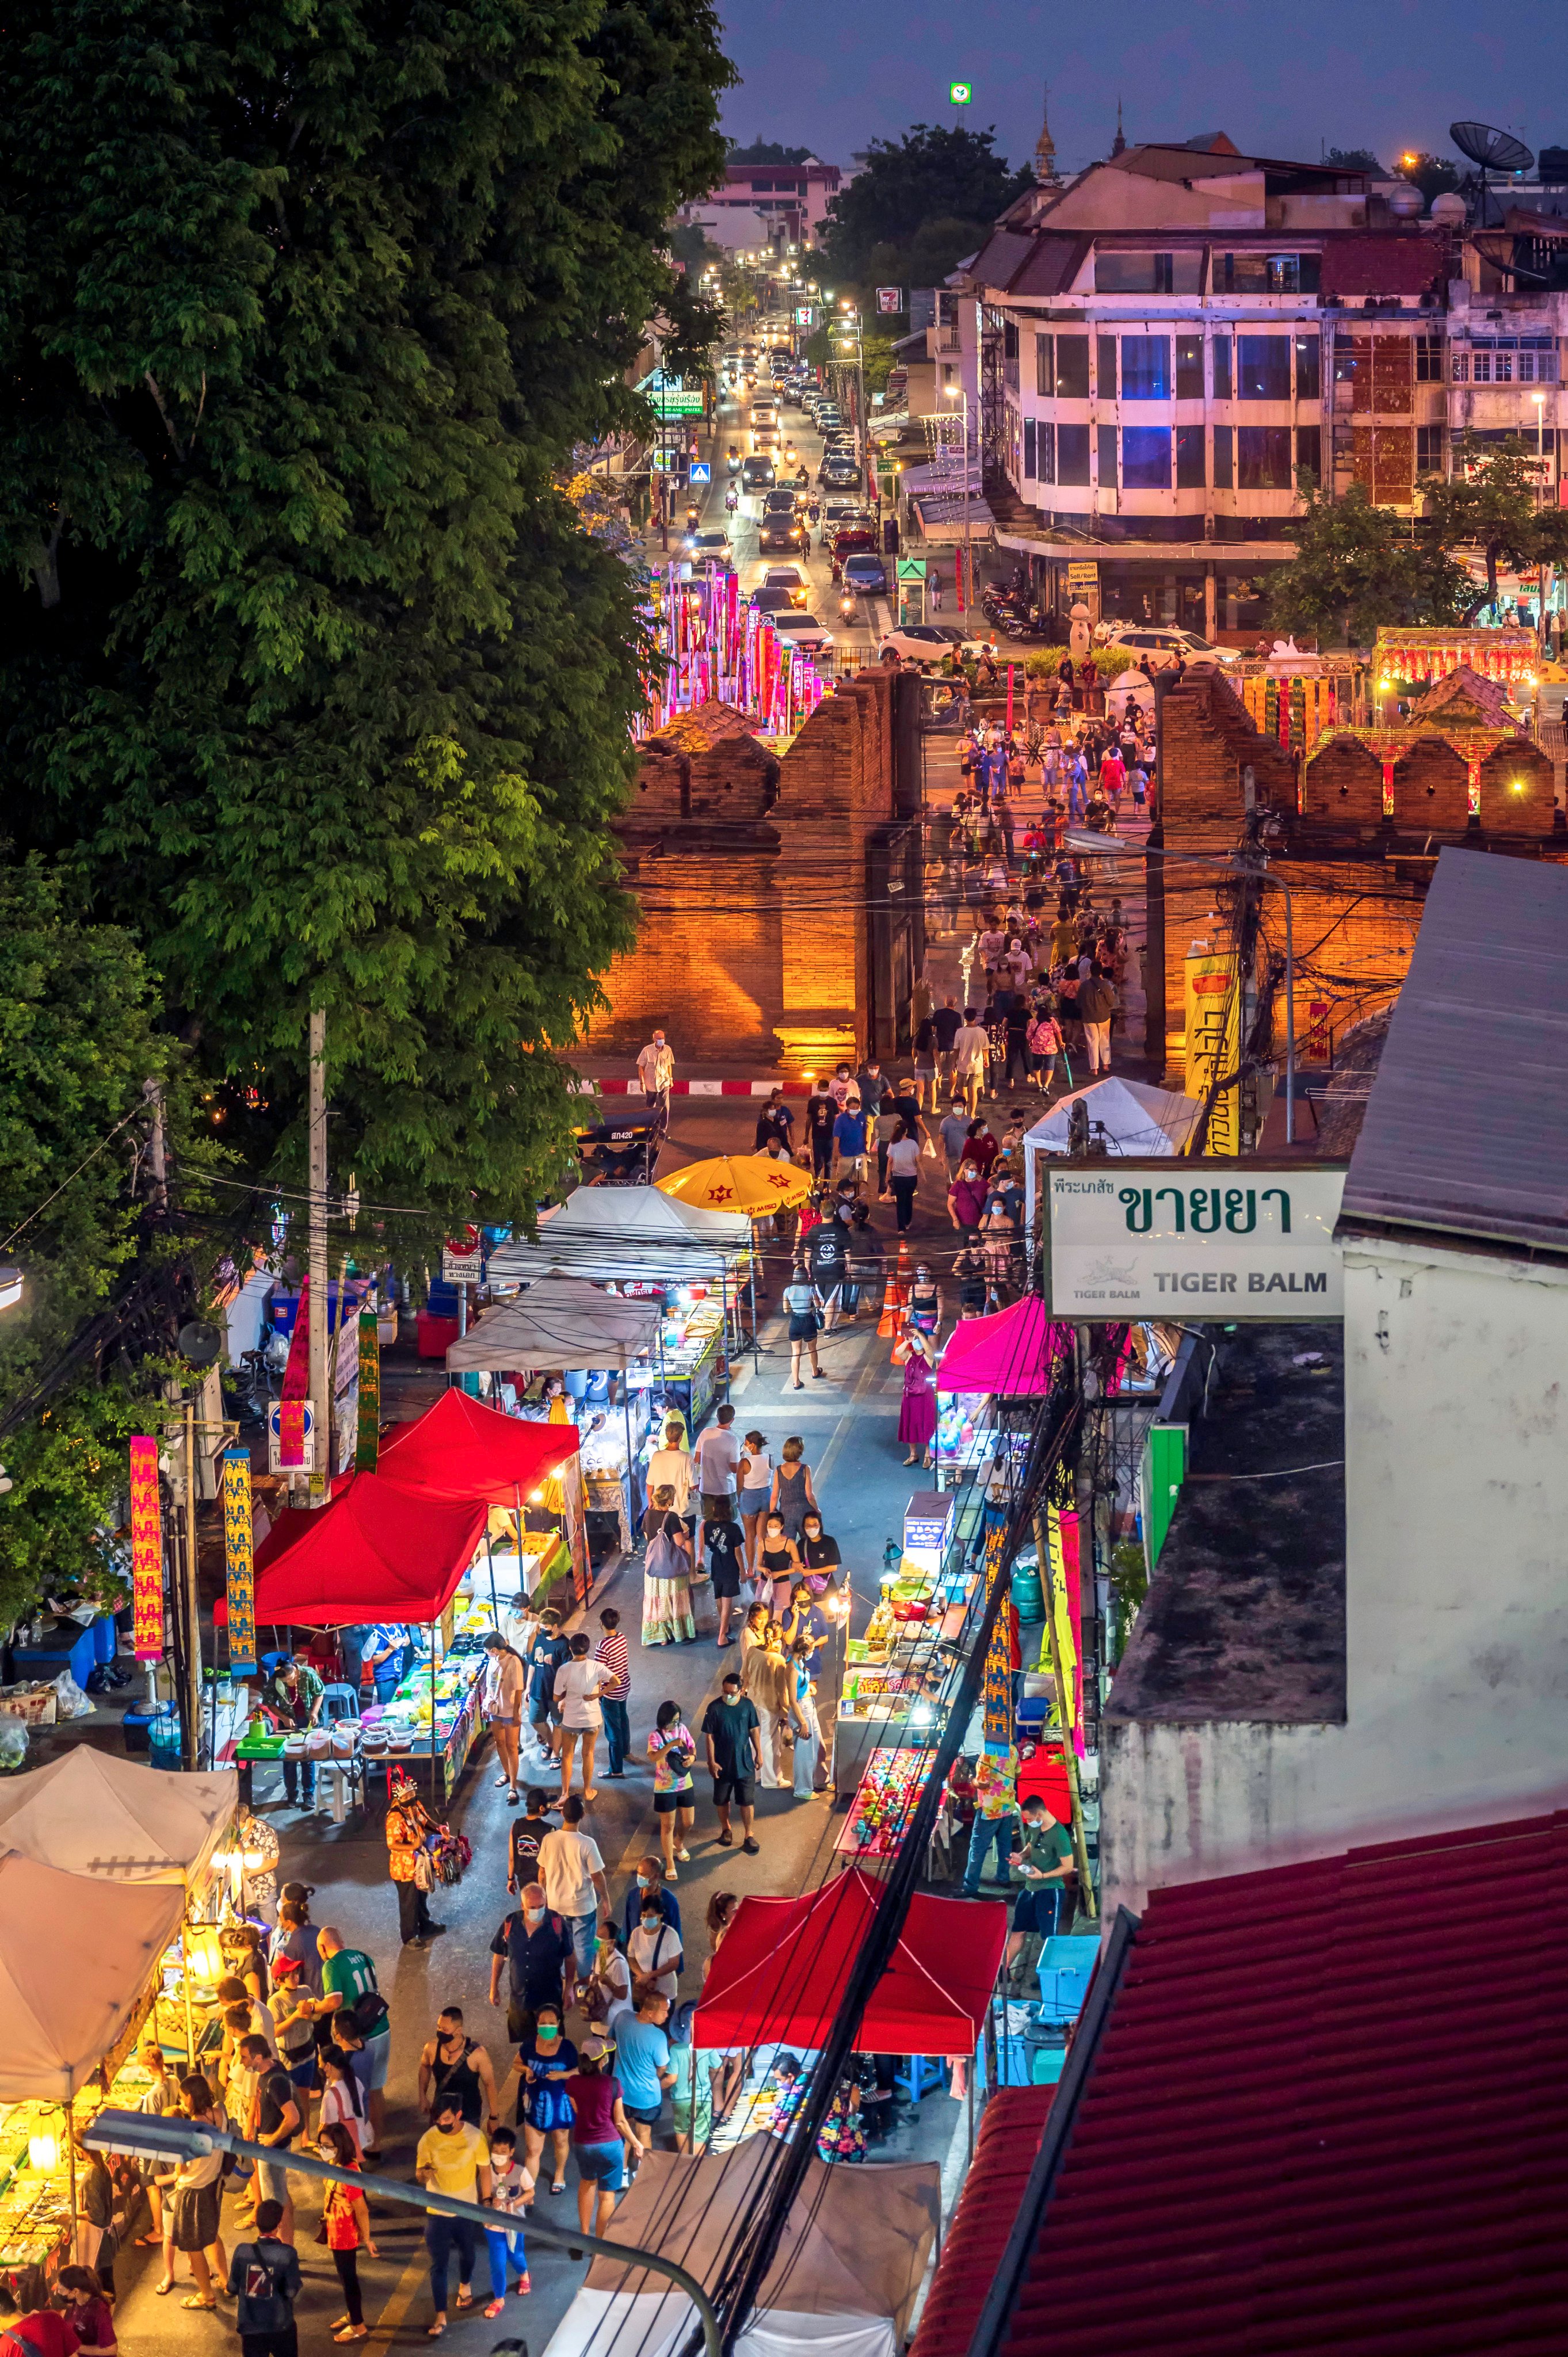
column 749, row 1182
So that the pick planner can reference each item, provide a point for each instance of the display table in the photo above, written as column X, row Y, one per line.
column 880, row 1811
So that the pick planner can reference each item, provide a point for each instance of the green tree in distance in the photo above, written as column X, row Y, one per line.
column 1358, row 569
column 1491, row 504
column 930, row 176
column 307, row 662
column 769, row 151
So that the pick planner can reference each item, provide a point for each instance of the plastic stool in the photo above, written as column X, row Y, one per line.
column 921, row 2074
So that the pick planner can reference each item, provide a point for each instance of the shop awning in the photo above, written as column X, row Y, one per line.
column 381, row 1551
column 1010, row 1355
column 76, row 1955
column 462, row 1450
column 90, row 1812
column 560, row 1321
column 627, row 1233
column 783, row 1967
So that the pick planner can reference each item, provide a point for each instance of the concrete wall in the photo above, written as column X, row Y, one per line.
column 1457, row 1466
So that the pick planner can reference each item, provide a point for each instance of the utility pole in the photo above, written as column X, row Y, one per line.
column 320, row 1381
column 158, row 1152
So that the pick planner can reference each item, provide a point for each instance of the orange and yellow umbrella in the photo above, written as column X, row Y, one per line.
column 746, row 1182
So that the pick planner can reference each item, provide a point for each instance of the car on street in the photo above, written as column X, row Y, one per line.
column 854, row 541
column 781, row 500
column 756, row 472
column 1158, row 649
column 921, row 642
column 708, row 547
column 838, row 474
column 790, row 577
column 865, row 574
column 772, row 602
column 803, row 631
column 780, row 533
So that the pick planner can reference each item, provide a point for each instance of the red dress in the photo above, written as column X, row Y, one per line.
column 918, row 1411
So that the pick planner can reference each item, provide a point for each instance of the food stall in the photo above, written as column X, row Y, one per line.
column 988, row 1364
column 461, row 1450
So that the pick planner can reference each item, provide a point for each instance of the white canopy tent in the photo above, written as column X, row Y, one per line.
column 90, row 1812
column 561, row 1321
column 1126, row 1117
column 842, row 2283
column 76, row 1955
column 627, row 1233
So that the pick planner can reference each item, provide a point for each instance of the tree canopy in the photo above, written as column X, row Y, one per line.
column 1358, row 569
column 767, row 151
column 1490, row 503
column 932, row 179
column 308, row 671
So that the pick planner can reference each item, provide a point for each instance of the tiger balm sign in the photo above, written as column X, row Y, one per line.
column 1210, row 1238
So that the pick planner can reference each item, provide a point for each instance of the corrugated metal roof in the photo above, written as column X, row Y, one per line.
column 1326, row 2113
column 1466, row 1129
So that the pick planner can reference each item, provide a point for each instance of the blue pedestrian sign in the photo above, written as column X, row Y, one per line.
column 701, row 471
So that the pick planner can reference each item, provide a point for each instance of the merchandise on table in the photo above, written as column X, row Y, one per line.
column 881, row 1810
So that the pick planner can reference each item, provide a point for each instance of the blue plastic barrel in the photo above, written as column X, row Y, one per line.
column 162, row 1737
column 104, row 1639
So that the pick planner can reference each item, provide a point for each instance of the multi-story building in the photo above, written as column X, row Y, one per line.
column 790, row 200
column 1156, row 349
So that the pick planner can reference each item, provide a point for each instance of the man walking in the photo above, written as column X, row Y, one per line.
column 946, row 1022
column 971, row 1049
column 848, row 1140
column 451, row 2158
column 656, row 1072
column 612, row 1654
column 821, row 1114
column 1096, row 1005
column 536, row 1948
column 718, row 1461
column 573, row 1873
column 735, row 1760
column 264, row 2277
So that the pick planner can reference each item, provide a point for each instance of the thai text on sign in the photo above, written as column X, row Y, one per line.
column 147, row 1552
column 239, row 1559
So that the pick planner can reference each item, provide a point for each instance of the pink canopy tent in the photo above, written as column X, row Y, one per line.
column 1011, row 1354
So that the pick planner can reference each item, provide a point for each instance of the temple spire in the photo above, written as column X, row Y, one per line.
column 1045, row 147
column 1119, row 144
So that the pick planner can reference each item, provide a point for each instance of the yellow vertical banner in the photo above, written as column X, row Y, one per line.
column 239, row 1559
column 1214, row 1044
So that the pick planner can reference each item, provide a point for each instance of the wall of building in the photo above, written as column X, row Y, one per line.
column 1456, row 1441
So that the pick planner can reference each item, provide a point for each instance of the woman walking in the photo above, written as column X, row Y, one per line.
column 999, row 1236
column 667, row 1615
column 756, row 1487
column 546, row 2062
column 904, row 1174
column 966, row 1201
column 925, row 1302
column 918, row 1408
column 780, row 1562
column 671, row 1748
column 506, row 1675
column 346, row 2224
column 803, row 1304
column 792, row 1490
column 602, row 2136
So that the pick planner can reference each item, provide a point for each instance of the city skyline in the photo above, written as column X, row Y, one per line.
column 1387, row 79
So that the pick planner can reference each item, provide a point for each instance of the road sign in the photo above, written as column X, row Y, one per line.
column 701, row 471
column 911, row 569
column 891, row 298
column 960, row 92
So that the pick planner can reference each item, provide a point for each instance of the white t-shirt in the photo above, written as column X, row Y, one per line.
column 671, row 1467
column 718, row 1455
column 578, row 1686
column 645, row 1950
column 971, row 1048
column 568, row 1862
column 904, row 1158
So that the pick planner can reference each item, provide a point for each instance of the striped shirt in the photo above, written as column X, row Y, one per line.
column 611, row 1651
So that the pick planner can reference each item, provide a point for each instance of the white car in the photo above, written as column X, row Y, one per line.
column 709, row 548
column 803, row 631
column 921, row 642
column 1158, row 649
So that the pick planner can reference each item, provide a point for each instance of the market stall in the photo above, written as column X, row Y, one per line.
column 987, row 1363
column 524, row 1472
column 843, row 2282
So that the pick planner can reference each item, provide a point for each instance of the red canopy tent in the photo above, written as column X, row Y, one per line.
column 461, row 1448
column 378, row 1551
column 784, row 1965
column 1010, row 1354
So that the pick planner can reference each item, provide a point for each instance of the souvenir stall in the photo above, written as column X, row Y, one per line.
column 562, row 1325
column 900, row 1672
column 987, row 1364
column 382, row 1551
column 81, row 1959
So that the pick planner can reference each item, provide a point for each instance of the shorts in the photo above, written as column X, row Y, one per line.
column 802, row 1328
column 755, row 1501
column 731, row 1788
column 648, row 2115
column 370, row 2064
column 726, row 1579
column 542, row 1714
column 1035, row 1911
column 666, row 1803
column 603, row 2165
column 272, row 2182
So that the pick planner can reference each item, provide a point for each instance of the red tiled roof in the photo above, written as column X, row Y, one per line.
column 1326, row 2112
column 1004, row 2153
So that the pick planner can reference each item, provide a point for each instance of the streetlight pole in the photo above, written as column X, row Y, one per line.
column 961, row 393
column 1083, row 840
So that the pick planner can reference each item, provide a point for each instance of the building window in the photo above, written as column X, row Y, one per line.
column 1537, row 361
column 1309, row 448
column 1222, row 369
column 1108, row 457
column 1145, row 458
column 1266, row 274
column 1010, row 340
column 1072, row 369
column 1429, row 450
column 1262, row 458
column 1262, row 368
column 1045, row 451
column 1189, row 367
column 1224, row 443
column 1429, row 359
column 1145, row 367
column 1148, row 273
column 1189, row 459
column 1028, row 450
column 1495, row 366
column 1072, row 451
column 1105, row 366
column 1308, row 368
column 1046, row 366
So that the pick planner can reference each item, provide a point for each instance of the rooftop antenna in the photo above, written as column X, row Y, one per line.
column 1119, row 144
column 1494, row 151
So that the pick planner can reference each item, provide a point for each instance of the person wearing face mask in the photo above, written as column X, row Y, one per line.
column 819, row 1554
column 543, row 2110
column 648, row 1885
column 654, row 1954
column 536, row 1948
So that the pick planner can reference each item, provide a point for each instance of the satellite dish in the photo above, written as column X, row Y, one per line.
column 199, row 1342
column 1494, row 151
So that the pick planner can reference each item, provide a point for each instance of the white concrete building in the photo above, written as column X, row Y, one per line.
column 1232, row 1738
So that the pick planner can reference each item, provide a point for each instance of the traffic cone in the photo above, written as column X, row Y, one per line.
column 906, row 1265
column 889, row 1321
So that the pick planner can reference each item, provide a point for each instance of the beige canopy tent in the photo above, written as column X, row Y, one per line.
column 628, row 1233
column 76, row 1956
column 842, row 2283
column 561, row 1321
column 90, row 1812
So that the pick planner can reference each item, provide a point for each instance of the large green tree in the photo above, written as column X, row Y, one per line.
column 307, row 666
column 917, row 205
column 1358, row 568
column 1492, row 503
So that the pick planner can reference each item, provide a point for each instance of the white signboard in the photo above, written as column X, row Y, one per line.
column 1201, row 1238
column 460, row 1267
column 307, row 1463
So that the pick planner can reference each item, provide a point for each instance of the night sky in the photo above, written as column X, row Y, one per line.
column 1282, row 80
